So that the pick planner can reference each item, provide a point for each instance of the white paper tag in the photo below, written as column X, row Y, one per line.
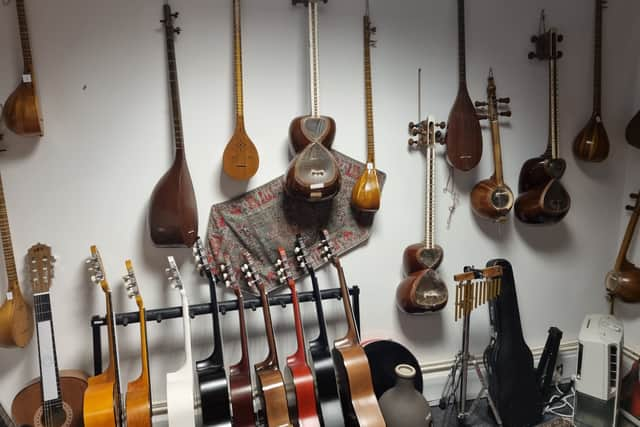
column 369, row 166
column 9, row 296
column 589, row 142
column 26, row 78
column 598, row 119
column 316, row 186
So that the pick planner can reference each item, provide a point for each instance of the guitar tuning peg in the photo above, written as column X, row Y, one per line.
column 505, row 113
column 480, row 104
column 532, row 55
column 534, row 39
column 374, row 29
column 506, row 100
column 634, row 195
column 412, row 142
column 177, row 30
column 482, row 116
column 441, row 125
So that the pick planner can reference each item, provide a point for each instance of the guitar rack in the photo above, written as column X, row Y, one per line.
column 253, row 302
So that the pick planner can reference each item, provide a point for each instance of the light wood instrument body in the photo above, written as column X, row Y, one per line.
column 240, row 158
column 632, row 132
column 21, row 111
column 173, row 213
column 623, row 281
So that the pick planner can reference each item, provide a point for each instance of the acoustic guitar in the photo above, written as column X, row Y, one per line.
column 298, row 374
column 103, row 404
column 240, row 159
column 16, row 315
column 138, row 397
column 359, row 401
column 623, row 281
column 182, row 387
column 55, row 398
column 21, row 111
column 592, row 143
column 313, row 174
column 271, row 387
column 491, row 198
column 542, row 198
column 464, row 137
column 632, row 133
column 212, row 378
column 423, row 291
column 365, row 195
column 173, row 213
column 321, row 361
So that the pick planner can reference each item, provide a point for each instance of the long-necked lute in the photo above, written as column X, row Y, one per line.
column 55, row 398
column 492, row 198
column 21, row 111
column 173, row 213
column 592, row 143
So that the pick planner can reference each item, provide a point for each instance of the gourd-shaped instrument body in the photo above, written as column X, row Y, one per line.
column 624, row 280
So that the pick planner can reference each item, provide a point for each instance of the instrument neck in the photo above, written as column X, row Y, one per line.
column 462, row 60
column 174, row 88
column 429, row 211
column 237, row 54
column 626, row 241
column 352, row 336
column 300, row 351
column 272, row 356
column 597, row 63
column 7, row 246
column 144, row 346
column 553, row 144
column 497, row 151
column 322, row 338
column 186, row 323
column 49, row 375
column 244, row 358
column 314, row 58
column 113, row 370
column 368, row 91
column 24, row 36
column 217, row 356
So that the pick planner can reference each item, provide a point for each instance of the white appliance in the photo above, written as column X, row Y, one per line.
column 600, row 345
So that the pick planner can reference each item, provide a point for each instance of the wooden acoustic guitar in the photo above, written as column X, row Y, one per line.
column 138, row 397
column 313, row 174
column 240, row 159
column 173, row 213
column 182, row 387
column 423, row 290
column 592, row 143
column 359, row 401
column 271, row 387
column 365, row 195
column 464, row 137
column 623, row 281
column 212, row 378
column 321, row 361
column 491, row 198
column 632, row 133
column 298, row 375
column 55, row 398
column 542, row 198
column 21, row 111
column 103, row 404
column 16, row 315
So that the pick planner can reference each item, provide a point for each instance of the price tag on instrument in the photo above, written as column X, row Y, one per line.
column 316, row 186
column 369, row 166
column 9, row 296
column 26, row 78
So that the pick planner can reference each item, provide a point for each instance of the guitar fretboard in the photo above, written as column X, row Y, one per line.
column 24, row 36
column 173, row 82
column 7, row 246
column 51, row 394
column 429, row 211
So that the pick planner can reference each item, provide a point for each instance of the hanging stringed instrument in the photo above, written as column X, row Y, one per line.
column 21, row 111
column 313, row 174
column 16, row 316
column 464, row 137
column 359, row 402
column 422, row 290
column 212, row 377
column 624, row 280
column 240, row 159
column 55, row 398
column 271, row 386
column 632, row 133
column 297, row 373
column 492, row 198
column 542, row 198
column 592, row 143
column 173, row 213
column 103, row 404
column 365, row 195
column 138, row 397
column 183, row 409
column 321, row 361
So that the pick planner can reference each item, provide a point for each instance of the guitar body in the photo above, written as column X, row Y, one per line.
column 417, row 257
column 138, row 403
column 299, row 375
column 365, row 195
column 240, row 159
column 16, row 321
column 181, row 396
column 330, row 408
column 173, row 214
column 241, row 396
column 624, row 283
column 632, row 133
column 99, row 406
column 26, row 408
column 422, row 291
column 214, row 394
column 313, row 174
column 305, row 130
column 491, row 200
column 271, row 387
column 592, row 143
column 463, row 137
column 21, row 111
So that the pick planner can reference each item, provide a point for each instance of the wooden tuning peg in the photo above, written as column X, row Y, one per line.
column 440, row 125
column 504, row 100
column 629, row 208
column 505, row 113
column 482, row 116
column 175, row 15
column 177, row 30
column 634, row 195
column 480, row 104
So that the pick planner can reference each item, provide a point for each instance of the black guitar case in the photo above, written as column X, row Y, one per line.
column 513, row 385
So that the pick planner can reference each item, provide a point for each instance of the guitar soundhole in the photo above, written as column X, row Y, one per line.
column 315, row 126
column 315, row 166
column 55, row 417
column 556, row 199
column 501, row 199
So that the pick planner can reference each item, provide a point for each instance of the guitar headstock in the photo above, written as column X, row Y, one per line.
column 170, row 30
column 202, row 258
column 228, row 275
column 302, row 256
column 173, row 274
column 282, row 269
column 40, row 262
column 96, row 268
column 250, row 272
column 636, row 208
column 426, row 133
column 491, row 108
column 546, row 42
column 131, row 284
column 327, row 250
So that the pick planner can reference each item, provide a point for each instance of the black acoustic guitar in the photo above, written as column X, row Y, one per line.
column 212, row 377
column 513, row 384
column 321, row 361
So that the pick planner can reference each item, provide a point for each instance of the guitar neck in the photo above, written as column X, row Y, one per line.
column 553, row 145
column 49, row 375
column 237, row 54
column 244, row 357
column 300, row 351
column 314, row 71
column 322, row 338
column 7, row 246
column 429, row 209
column 497, row 151
column 144, row 346
column 597, row 63
column 462, row 59
column 186, row 324
column 272, row 356
column 367, row 90
column 217, row 356
column 24, row 36
column 113, row 370
column 174, row 89
column 626, row 241
column 352, row 335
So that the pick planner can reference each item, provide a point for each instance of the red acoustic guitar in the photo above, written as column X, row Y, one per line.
column 298, row 372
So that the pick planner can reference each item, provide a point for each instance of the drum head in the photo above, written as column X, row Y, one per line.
column 384, row 356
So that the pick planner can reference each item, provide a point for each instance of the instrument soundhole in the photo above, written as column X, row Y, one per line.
column 55, row 417
column 501, row 198
column 431, row 293
column 315, row 165
column 556, row 199
column 315, row 126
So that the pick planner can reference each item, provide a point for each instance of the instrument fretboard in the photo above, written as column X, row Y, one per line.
column 429, row 211
column 313, row 58
column 462, row 61
column 24, row 36
column 237, row 55
column 597, row 67
column 7, row 246
column 173, row 79
column 367, row 89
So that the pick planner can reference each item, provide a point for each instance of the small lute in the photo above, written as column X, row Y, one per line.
column 623, row 281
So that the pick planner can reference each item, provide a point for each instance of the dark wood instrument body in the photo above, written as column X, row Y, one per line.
column 313, row 175
column 21, row 111
column 422, row 291
column 538, row 171
column 592, row 143
column 418, row 257
column 305, row 130
column 632, row 133
column 241, row 395
column 491, row 200
column 464, row 137
column 28, row 401
column 625, row 282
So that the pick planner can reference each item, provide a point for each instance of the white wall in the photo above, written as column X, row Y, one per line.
column 106, row 145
